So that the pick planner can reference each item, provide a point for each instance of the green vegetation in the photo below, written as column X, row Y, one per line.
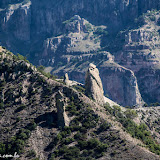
column 82, row 146
column 17, row 142
column 152, row 104
column 104, row 126
column 48, row 75
column 20, row 57
column 73, row 107
column 68, row 21
column 31, row 153
column 79, row 88
column 2, row 148
column 138, row 131
column 101, row 31
column 32, row 126
column 88, row 27
column 130, row 113
column 91, row 148
column 1, row 105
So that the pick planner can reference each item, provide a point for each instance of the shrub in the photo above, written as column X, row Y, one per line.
column 88, row 27
column 32, row 126
column 31, row 153
column 130, row 113
column 145, row 105
column 101, row 148
column 80, row 136
column 23, row 134
column 20, row 108
column 92, row 143
column 52, row 156
column 1, row 105
column 71, row 152
column 68, row 140
column 82, row 144
column 101, row 31
column 79, row 88
column 104, row 126
column 20, row 57
column 2, row 148
column 48, row 75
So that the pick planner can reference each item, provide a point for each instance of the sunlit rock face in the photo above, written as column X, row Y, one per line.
column 93, row 84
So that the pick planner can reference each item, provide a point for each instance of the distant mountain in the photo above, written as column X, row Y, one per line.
column 66, row 36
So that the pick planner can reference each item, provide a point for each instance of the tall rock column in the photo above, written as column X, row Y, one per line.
column 66, row 79
column 63, row 119
column 93, row 84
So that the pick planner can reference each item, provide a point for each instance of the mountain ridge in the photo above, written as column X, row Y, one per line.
column 29, row 116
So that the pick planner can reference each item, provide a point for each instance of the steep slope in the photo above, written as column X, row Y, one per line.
column 44, row 19
column 119, row 83
column 140, row 53
column 15, row 32
column 36, row 29
column 35, row 107
column 78, row 37
column 150, row 115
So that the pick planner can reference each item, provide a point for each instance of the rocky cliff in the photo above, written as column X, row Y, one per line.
column 34, row 107
column 124, row 89
column 19, row 29
column 80, row 37
column 140, row 53
column 93, row 84
column 52, row 34
column 119, row 83
column 44, row 19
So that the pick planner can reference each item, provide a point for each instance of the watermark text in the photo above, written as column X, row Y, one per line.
column 9, row 155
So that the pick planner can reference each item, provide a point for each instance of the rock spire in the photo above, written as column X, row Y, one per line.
column 93, row 84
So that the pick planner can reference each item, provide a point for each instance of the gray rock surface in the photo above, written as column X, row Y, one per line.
column 37, row 21
column 93, row 84
column 26, row 26
column 36, row 123
column 120, row 84
column 66, row 79
column 63, row 119
column 140, row 53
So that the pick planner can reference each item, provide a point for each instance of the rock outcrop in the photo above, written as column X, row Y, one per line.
column 33, row 120
column 63, row 119
column 79, row 37
column 120, row 84
column 45, row 20
column 66, row 79
column 93, row 84
column 15, row 20
column 26, row 26
column 140, row 53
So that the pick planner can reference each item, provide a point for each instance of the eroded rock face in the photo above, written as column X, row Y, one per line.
column 26, row 26
column 78, row 37
column 63, row 119
column 93, row 84
column 15, row 22
column 140, row 53
column 120, row 84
